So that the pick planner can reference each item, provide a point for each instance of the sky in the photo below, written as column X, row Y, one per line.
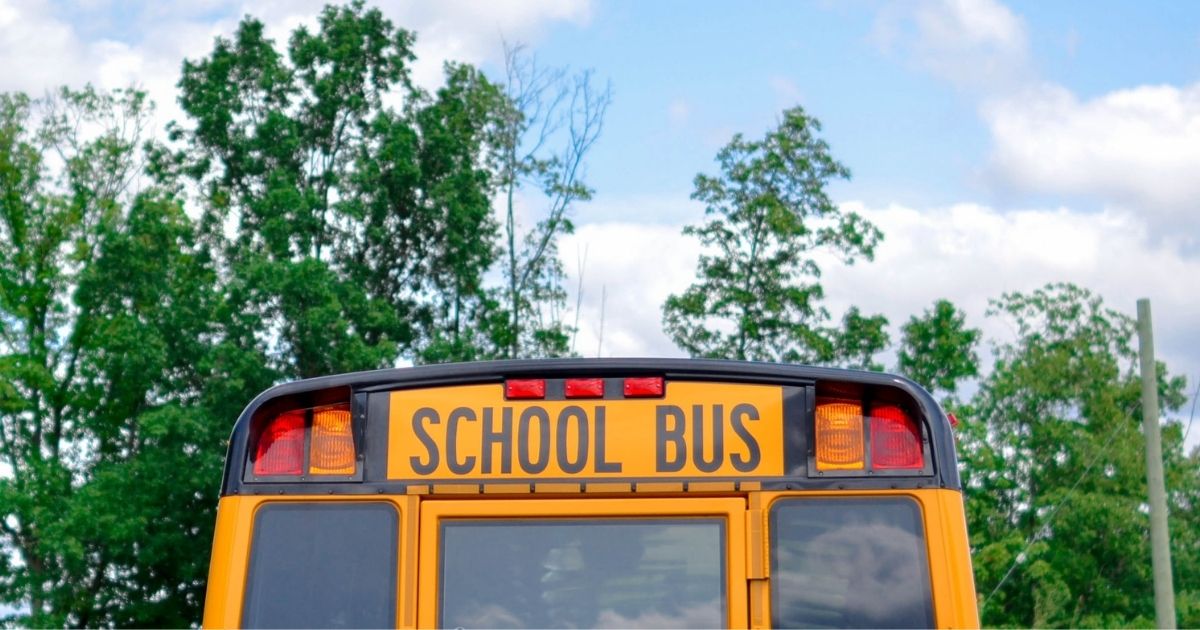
column 999, row 146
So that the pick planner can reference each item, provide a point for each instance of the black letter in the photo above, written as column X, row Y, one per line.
column 603, row 466
column 468, row 463
column 718, row 423
column 503, row 437
column 674, row 436
column 422, row 414
column 750, row 463
column 529, row 466
column 581, row 446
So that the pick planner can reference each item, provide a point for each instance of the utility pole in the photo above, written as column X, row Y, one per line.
column 1160, row 537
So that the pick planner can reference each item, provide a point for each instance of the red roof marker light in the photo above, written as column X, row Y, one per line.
column 644, row 387
column 584, row 388
column 525, row 388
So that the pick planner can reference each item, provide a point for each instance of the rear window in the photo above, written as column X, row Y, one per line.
column 662, row 573
column 322, row 565
column 849, row 563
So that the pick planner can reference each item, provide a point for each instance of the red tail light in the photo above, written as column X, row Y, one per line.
column 280, row 448
column 895, row 439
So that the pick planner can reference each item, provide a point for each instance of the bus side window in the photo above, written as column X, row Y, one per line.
column 849, row 563
column 322, row 565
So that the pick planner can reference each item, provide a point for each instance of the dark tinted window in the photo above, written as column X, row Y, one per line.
column 583, row 574
column 849, row 563
column 322, row 565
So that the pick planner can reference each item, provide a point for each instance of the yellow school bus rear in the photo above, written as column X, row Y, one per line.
column 592, row 493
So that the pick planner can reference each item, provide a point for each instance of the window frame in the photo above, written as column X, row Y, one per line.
column 434, row 513
column 924, row 531
column 390, row 538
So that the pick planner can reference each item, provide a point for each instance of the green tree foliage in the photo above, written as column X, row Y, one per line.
column 550, row 123
column 859, row 340
column 758, row 296
column 105, row 320
column 334, row 233
column 351, row 230
column 937, row 349
column 1054, row 468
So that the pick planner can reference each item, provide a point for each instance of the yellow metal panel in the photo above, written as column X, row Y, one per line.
column 456, row 488
column 607, row 488
column 506, row 488
column 407, row 615
column 757, row 563
column 962, row 597
column 433, row 511
column 760, row 604
column 695, row 430
column 556, row 488
column 710, row 486
column 755, row 543
column 231, row 553
column 667, row 487
column 227, row 568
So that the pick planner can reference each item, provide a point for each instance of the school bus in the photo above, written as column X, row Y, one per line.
column 592, row 493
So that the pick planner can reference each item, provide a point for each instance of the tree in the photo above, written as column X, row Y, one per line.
column 860, row 339
column 758, row 295
column 360, row 232
column 937, row 349
column 550, row 125
column 1054, row 471
column 105, row 311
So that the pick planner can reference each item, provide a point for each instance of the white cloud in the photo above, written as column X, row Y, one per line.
column 44, row 45
column 969, row 253
column 663, row 209
column 1135, row 150
column 470, row 31
column 966, row 253
column 631, row 269
column 973, row 43
column 37, row 51
column 1138, row 148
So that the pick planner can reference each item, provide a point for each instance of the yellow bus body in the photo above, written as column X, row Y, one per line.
column 743, row 504
column 947, row 545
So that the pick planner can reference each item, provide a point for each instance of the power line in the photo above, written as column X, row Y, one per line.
column 1050, row 518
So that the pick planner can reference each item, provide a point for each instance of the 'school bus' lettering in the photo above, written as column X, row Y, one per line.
column 592, row 493
column 698, row 429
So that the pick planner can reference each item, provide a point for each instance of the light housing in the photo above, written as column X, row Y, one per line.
column 306, row 442
column 866, row 431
